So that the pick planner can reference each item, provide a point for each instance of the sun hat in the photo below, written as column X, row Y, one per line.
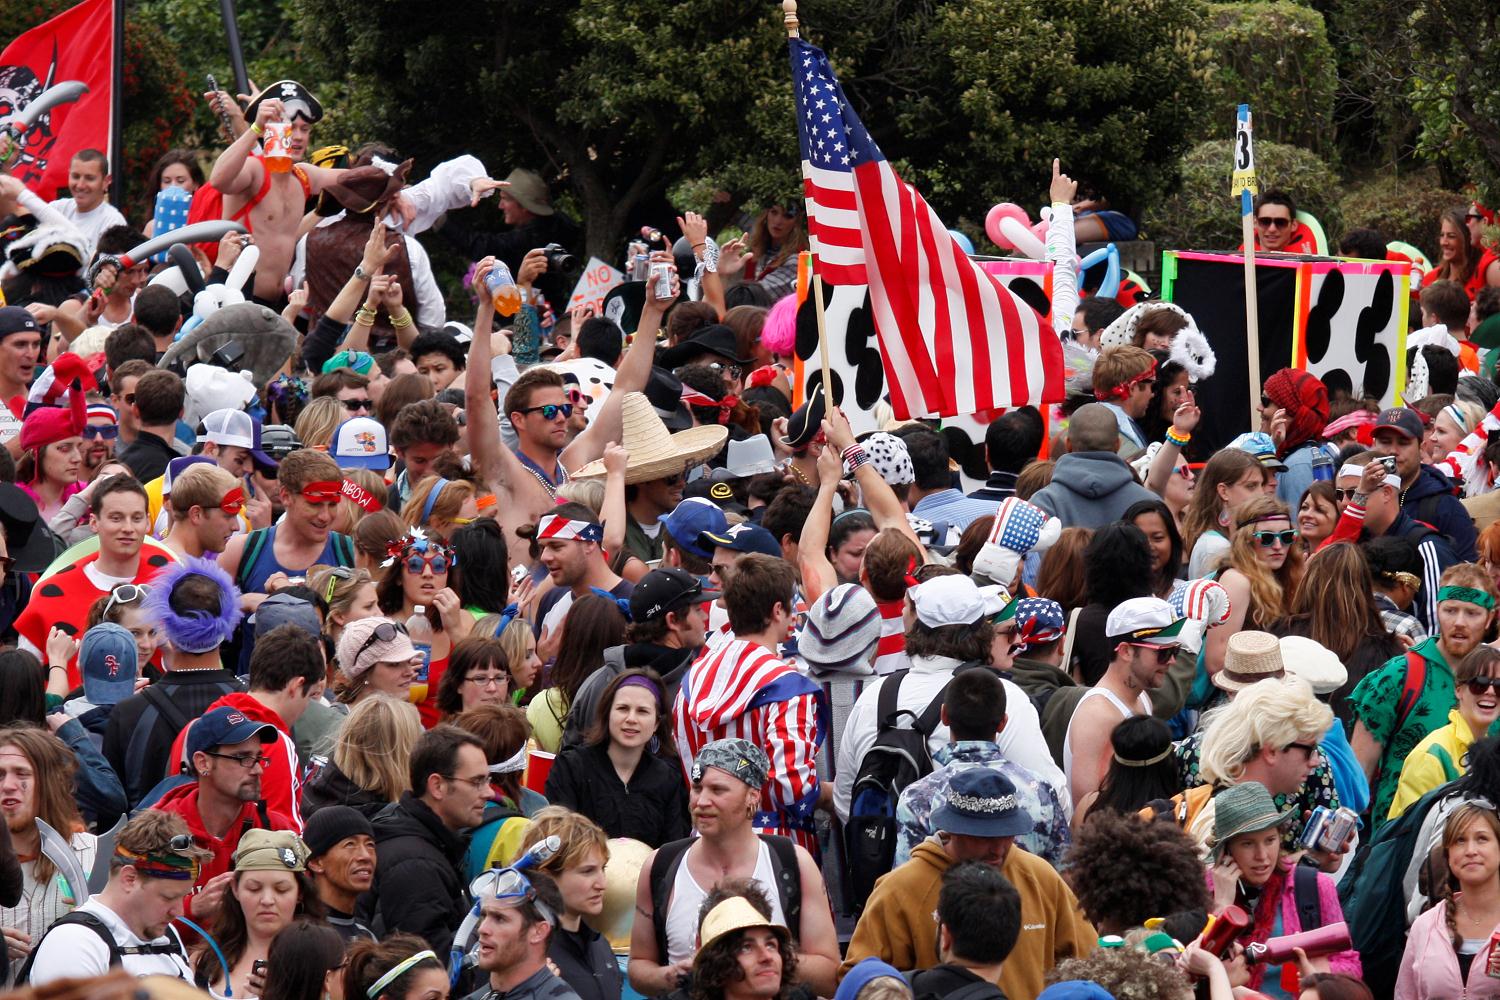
column 355, row 658
column 735, row 914
column 1250, row 657
column 108, row 660
column 1244, row 808
column 655, row 452
column 1019, row 528
column 1311, row 661
column 270, row 851
column 981, row 803
column 1145, row 620
column 956, row 600
column 735, row 757
column 842, row 629
column 528, row 188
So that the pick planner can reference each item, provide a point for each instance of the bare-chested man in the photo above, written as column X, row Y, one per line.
column 276, row 201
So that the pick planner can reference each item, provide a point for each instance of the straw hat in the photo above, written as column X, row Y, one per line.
column 656, row 453
column 1251, row 656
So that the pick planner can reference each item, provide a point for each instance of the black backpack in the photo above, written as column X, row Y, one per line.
column 898, row 757
column 116, row 952
column 669, row 858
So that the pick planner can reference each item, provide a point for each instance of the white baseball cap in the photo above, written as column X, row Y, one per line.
column 236, row 429
column 956, row 600
column 360, row 442
column 1144, row 620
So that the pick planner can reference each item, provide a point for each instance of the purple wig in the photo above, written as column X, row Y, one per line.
column 194, row 631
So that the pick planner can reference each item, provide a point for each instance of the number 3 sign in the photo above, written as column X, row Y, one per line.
column 1244, row 155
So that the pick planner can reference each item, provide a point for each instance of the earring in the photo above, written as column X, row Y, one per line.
column 1224, row 517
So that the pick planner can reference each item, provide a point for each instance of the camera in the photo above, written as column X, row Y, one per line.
column 558, row 258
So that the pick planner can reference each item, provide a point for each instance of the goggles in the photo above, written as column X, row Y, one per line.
column 509, row 889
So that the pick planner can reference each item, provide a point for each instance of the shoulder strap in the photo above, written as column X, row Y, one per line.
column 663, row 872
column 265, row 188
column 301, row 175
column 84, row 919
column 788, row 879
column 887, row 702
column 1411, row 687
column 168, row 708
column 1305, row 895
column 254, row 542
column 1067, row 652
column 343, row 549
column 932, row 714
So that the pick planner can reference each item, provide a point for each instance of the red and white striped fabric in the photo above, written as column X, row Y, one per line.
column 714, row 703
column 890, row 651
column 551, row 526
column 952, row 338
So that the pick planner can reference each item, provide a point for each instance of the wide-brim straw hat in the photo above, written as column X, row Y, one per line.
column 1250, row 657
column 655, row 452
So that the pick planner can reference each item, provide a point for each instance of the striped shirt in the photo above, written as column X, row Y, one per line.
column 743, row 690
column 890, row 652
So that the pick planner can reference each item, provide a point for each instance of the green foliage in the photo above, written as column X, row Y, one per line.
column 1201, row 215
column 1274, row 56
column 1456, row 89
column 1404, row 207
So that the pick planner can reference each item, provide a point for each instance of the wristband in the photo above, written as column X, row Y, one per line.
column 56, row 666
column 255, row 127
column 1179, row 440
column 854, row 456
column 402, row 320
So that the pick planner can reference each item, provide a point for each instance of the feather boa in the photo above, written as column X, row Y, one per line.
column 194, row 631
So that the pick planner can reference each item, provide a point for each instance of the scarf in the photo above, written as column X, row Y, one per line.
column 1305, row 400
column 1264, row 918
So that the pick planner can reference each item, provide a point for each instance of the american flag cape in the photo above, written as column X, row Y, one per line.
column 953, row 340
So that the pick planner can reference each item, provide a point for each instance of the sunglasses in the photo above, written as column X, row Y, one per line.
column 1344, row 496
column 384, row 632
column 436, row 560
column 550, row 411
column 733, row 371
column 355, row 405
column 1267, row 539
column 107, row 432
column 574, row 396
column 1164, row 654
column 1306, row 748
column 1473, row 217
column 1479, row 685
column 1185, row 471
column 1273, row 223
column 126, row 593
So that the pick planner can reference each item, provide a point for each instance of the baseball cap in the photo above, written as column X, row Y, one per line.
column 14, row 319
column 287, row 609
column 360, row 442
column 1262, row 446
column 956, row 600
column 666, row 588
column 1146, row 620
column 270, row 851
column 175, row 467
column 743, row 538
column 108, row 660
column 236, row 429
column 692, row 518
column 225, row 726
column 1400, row 419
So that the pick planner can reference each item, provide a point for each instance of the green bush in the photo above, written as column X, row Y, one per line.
column 1405, row 207
column 1201, row 215
column 1276, row 57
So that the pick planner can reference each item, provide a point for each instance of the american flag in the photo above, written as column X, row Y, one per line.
column 953, row 339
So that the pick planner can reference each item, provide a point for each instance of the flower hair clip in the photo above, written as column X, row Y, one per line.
column 415, row 540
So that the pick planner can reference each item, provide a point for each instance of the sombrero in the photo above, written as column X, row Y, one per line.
column 655, row 452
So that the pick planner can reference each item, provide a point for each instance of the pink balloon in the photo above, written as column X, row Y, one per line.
column 1004, row 210
column 1040, row 231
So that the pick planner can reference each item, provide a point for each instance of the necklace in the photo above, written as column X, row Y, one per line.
column 1482, row 921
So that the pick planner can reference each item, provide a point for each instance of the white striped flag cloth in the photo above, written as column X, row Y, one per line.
column 953, row 339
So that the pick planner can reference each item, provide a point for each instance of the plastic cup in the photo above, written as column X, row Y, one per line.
column 275, row 144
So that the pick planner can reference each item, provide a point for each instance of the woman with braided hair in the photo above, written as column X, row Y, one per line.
column 1448, row 948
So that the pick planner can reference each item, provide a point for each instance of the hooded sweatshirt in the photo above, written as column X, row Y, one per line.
column 183, row 800
column 1445, row 512
column 280, row 783
column 743, row 690
column 1090, row 489
column 897, row 925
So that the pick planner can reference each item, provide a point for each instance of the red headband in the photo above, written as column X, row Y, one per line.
column 1123, row 389
column 334, row 490
column 725, row 406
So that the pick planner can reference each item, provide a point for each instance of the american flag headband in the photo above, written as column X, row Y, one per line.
column 554, row 526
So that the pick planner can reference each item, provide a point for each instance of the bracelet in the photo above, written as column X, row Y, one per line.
column 255, row 127
column 699, row 246
column 364, row 317
column 1179, row 440
column 854, row 456
column 402, row 320
column 56, row 666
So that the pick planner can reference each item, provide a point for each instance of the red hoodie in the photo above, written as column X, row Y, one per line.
column 183, row 800
column 281, row 783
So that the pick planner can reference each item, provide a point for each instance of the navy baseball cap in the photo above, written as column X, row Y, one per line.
column 108, row 660
column 664, row 589
column 1401, row 420
column 226, row 726
column 743, row 538
column 693, row 518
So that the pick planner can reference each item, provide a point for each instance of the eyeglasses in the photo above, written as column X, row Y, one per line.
column 1479, row 685
column 126, row 593
column 437, row 560
column 478, row 782
column 488, row 680
column 1268, row 539
column 1164, row 654
column 550, row 411
column 384, row 632
column 1308, row 748
column 355, row 405
column 106, row 432
column 245, row 760
column 1270, row 223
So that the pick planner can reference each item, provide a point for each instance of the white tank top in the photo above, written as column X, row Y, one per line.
column 1144, row 708
column 687, row 897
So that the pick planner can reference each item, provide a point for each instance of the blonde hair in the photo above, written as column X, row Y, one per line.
column 580, row 836
column 514, row 641
column 589, row 492
column 372, row 483
column 337, row 590
column 374, row 746
column 1117, row 366
column 884, row 988
column 449, row 502
column 1270, row 592
column 1270, row 713
column 317, row 422
column 199, row 485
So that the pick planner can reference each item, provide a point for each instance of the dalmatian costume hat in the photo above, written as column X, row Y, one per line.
column 1190, row 348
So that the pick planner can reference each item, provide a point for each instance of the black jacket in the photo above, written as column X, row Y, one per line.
column 942, row 981
column 653, row 808
column 586, row 963
column 191, row 691
column 670, row 662
column 419, row 885
column 147, row 456
column 332, row 787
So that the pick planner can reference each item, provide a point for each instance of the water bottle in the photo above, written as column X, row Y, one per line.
column 420, row 630
column 1322, row 466
column 504, row 294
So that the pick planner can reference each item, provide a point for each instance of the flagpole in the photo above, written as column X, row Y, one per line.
column 1244, row 181
column 117, row 107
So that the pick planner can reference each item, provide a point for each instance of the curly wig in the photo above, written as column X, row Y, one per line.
column 1127, row 973
column 1126, row 870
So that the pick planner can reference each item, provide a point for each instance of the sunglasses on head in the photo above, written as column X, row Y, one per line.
column 550, row 411
column 1164, row 654
column 126, row 593
column 106, row 432
column 355, row 405
column 437, row 560
column 384, row 632
column 1273, row 223
column 1479, row 685
column 1266, row 539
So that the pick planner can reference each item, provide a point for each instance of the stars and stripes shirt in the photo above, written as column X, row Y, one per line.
column 744, row 690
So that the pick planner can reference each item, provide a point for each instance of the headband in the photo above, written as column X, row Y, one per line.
column 334, row 490
column 1145, row 763
column 1470, row 595
column 432, row 497
column 725, row 406
column 1458, row 417
column 167, row 865
column 552, row 526
column 1123, row 389
column 1391, row 479
column 397, row 971
column 642, row 681
column 1260, row 519
column 513, row 764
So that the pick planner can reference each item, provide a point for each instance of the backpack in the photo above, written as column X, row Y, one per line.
column 116, row 952
column 669, row 858
column 898, row 757
column 140, row 740
column 255, row 542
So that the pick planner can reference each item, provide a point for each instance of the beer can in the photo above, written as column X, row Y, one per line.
column 1340, row 825
column 661, row 279
column 1311, row 837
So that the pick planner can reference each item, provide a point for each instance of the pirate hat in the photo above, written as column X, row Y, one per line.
column 297, row 99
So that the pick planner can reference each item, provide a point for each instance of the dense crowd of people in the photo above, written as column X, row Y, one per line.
column 354, row 652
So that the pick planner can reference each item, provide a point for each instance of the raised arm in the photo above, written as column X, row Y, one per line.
column 1184, row 419
column 236, row 171
column 1062, row 250
column 879, row 499
column 695, row 228
column 818, row 575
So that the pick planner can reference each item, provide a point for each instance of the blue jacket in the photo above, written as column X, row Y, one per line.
column 1431, row 500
